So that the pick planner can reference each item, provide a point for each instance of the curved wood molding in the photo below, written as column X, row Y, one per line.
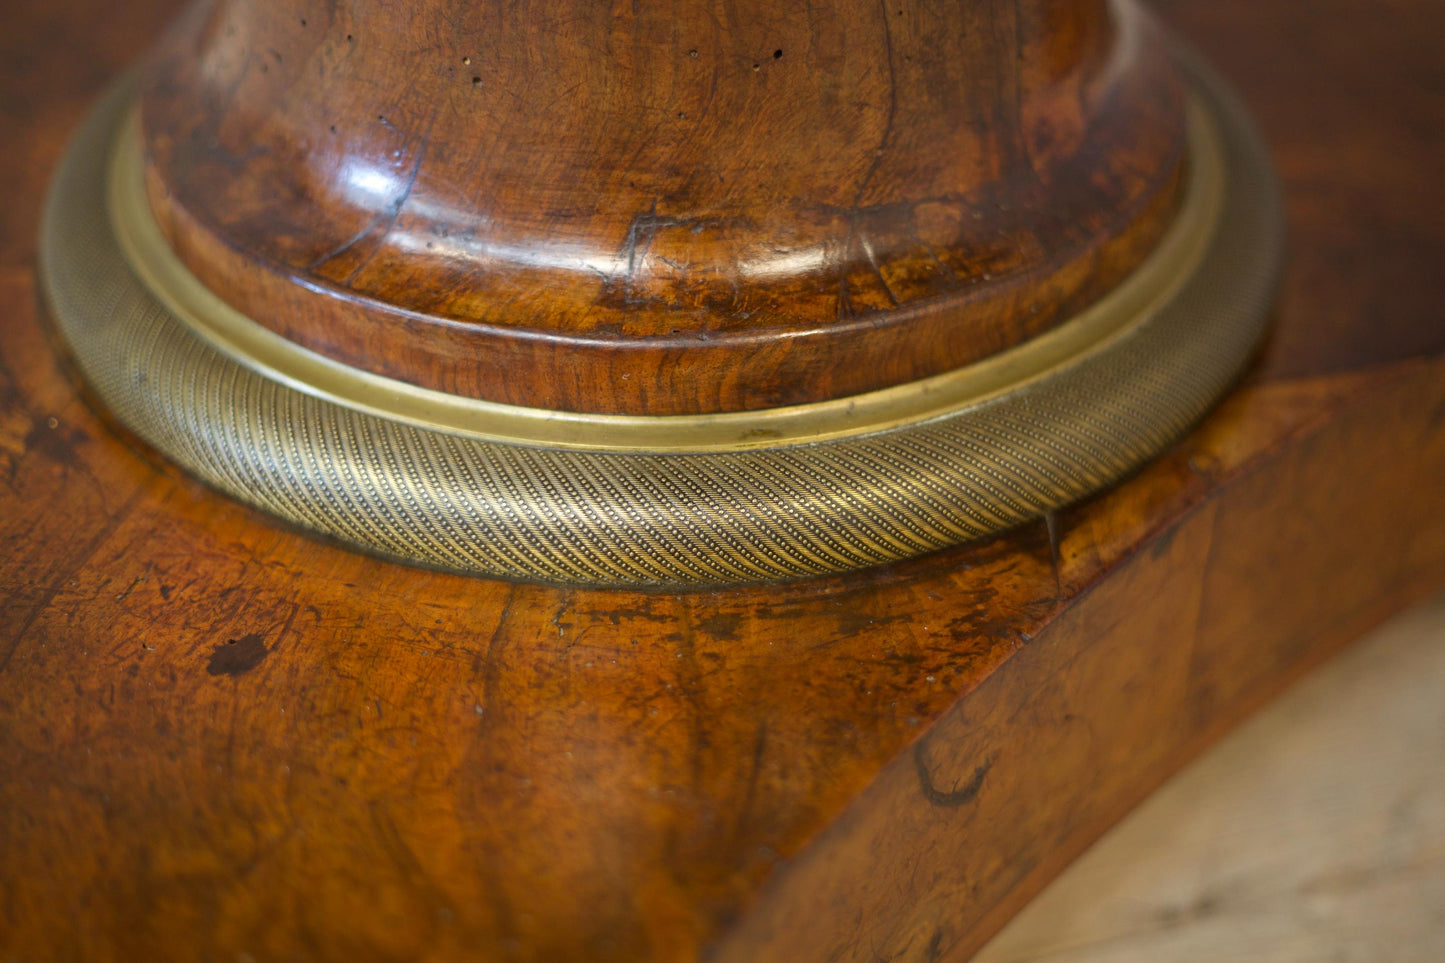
column 660, row 208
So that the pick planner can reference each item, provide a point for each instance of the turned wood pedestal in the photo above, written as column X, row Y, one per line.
column 226, row 736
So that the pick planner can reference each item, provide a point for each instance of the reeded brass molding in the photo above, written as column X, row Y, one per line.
column 611, row 499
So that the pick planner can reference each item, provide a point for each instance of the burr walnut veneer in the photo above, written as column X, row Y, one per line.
column 225, row 738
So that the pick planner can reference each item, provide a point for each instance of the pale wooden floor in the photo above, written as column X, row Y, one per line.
column 1314, row 832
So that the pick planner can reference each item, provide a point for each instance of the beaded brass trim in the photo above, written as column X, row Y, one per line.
column 597, row 499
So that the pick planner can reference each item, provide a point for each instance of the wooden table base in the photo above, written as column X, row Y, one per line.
column 224, row 739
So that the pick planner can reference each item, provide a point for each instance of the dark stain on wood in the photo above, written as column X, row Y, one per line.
column 237, row 656
column 947, row 798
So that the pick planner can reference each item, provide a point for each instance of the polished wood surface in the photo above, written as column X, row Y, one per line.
column 221, row 738
column 667, row 207
column 1316, row 831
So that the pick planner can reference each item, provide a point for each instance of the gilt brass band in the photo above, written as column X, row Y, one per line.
column 610, row 499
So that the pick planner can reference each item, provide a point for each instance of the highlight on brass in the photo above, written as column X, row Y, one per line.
column 499, row 489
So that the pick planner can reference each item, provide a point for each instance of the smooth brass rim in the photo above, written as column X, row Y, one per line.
column 600, row 499
column 1153, row 284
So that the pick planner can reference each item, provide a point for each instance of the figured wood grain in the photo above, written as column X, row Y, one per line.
column 220, row 737
column 1315, row 831
column 661, row 208
column 1015, row 777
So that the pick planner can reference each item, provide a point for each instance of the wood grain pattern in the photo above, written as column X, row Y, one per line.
column 1316, row 831
column 668, row 207
column 219, row 737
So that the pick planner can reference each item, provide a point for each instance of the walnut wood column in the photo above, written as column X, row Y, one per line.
column 662, row 208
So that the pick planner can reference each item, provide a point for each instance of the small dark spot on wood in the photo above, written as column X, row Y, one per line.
column 778, row 54
column 348, row 38
column 303, row 21
column 935, row 946
column 45, row 439
column 757, row 66
column 237, row 656
column 692, row 54
column 476, row 81
column 721, row 626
